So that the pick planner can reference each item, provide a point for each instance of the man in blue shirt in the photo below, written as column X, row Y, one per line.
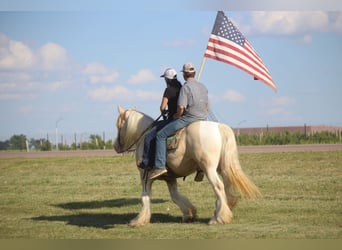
column 193, row 105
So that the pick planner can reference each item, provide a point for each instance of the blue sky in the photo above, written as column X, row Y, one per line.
column 78, row 62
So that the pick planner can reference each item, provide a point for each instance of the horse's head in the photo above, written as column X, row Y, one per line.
column 130, row 125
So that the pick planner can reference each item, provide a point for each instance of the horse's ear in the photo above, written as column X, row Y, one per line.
column 135, row 108
column 121, row 110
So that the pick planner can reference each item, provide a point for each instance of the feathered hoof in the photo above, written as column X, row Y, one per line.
column 215, row 221
column 191, row 216
column 137, row 223
column 189, row 219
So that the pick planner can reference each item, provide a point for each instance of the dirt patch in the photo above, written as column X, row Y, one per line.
column 108, row 153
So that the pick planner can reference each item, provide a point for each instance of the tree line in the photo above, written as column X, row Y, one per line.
column 22, row 143
column 284, row 138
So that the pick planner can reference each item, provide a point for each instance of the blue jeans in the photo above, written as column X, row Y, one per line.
column 149, row 143
column 169, row 129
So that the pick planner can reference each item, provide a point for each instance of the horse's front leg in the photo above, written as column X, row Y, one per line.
column 188, row 210
column 144, row 215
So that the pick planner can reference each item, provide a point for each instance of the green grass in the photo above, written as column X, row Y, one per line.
column 95, row 197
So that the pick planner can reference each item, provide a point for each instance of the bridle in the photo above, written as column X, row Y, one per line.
column 129, row 148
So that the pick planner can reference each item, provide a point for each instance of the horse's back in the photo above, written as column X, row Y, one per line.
column 208, row 129
column 206, row 138
column 200, row 144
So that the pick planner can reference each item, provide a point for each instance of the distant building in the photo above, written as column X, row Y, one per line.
column 305, row 129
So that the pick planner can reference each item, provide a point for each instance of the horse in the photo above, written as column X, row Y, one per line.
column 203, row 145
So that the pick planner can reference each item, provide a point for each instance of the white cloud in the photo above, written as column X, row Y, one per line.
column 337, row 21
column 122, row 93
column 110, row 93
column 53, row 57
column 95, row 69
column 233, row 96
column 282, row 101
column 279, row 108
column 16, row 96
column 25, row 73
column 307, row 39
column 18, row 56
column 53, row 86
column 10, row 96
column 147, row 95
column 143, row 76
column 290, row 5
column 108, row 78
column 289, row 22
column 26, row 109
column 276, row 111
column 15, row 54
column 279, row 101
column 99, row 73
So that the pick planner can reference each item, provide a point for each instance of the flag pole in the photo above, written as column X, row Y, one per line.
column 201, row 68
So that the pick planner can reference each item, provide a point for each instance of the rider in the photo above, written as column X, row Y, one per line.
column 169, row 101
column 193, row 105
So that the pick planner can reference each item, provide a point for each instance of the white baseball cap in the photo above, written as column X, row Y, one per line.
column 188, row 67
column 169, row 73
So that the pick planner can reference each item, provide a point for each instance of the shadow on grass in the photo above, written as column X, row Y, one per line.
column 105, row 203
column 105, row 220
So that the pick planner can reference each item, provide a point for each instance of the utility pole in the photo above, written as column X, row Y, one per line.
column 60, row 119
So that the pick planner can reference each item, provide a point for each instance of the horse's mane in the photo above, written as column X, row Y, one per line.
column 136, row 122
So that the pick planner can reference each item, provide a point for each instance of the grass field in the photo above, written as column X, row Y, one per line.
column 95, row 197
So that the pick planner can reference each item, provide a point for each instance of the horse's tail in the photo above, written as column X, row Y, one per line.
column 231, row 171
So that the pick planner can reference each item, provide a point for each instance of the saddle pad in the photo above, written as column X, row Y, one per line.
column 173, row 140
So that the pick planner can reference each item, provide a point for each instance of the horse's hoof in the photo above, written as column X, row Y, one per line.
column 188, row 219
column 213, row 221
column 135, row 223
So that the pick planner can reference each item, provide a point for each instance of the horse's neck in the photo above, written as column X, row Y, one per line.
column 139, row 122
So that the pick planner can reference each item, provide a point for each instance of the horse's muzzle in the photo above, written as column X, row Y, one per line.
column 117, row 147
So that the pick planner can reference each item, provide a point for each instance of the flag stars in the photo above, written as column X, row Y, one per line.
column 227, row 30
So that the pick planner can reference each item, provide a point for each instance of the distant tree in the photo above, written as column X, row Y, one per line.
column 18, row 142
column 109, row 144
column 96, row 142
column 4, row 145
column 45, row 145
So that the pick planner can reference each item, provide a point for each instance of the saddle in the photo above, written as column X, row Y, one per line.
column 172, row 143
column 173, row 140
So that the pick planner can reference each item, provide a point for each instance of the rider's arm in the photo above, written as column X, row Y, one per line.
column 163, row 104
column 180, row 111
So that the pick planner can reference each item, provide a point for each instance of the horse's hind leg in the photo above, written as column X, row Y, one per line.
column 144, row 215
column 222, row 214
column 188, row 210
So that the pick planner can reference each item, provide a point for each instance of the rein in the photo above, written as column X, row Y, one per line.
column 137, row 140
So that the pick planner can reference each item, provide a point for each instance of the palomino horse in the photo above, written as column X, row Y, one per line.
column 204, row 145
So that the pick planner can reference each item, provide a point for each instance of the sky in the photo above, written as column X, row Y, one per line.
column 69, row 64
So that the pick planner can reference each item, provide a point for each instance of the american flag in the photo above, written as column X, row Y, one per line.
column 227, row 44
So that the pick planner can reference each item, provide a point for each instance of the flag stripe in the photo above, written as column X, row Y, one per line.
column 228, row 48
column 226, row 51
column 249, row 48
column 240, row 65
